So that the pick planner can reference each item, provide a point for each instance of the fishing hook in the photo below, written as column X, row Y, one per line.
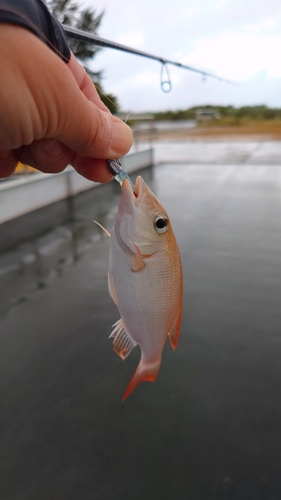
column 115, row 168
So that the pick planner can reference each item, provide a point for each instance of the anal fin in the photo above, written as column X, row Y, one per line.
column 123, row 344
column 175, row 330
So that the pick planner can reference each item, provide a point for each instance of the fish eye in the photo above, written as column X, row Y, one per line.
column 161, row 223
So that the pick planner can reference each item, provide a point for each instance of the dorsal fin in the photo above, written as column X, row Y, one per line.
column 123, row 344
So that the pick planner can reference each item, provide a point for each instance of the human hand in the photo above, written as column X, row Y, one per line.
column 50, row 112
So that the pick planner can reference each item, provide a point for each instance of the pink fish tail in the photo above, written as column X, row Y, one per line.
column 145, row 372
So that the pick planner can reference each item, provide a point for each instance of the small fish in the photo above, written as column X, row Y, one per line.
column 145, row 280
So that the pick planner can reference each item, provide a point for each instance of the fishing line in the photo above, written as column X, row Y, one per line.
column 86, row 36
column 165, row 80
column 146, row 91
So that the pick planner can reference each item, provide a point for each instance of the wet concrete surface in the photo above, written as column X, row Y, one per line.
column 210, row 426
column 222, row 151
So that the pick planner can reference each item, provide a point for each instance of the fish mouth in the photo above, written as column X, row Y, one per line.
column 133, row 196
column 138, row 187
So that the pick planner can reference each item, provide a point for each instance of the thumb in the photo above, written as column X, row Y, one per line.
column 56, row 108
column 90, row 131
column 84, row 124
column 111, row 132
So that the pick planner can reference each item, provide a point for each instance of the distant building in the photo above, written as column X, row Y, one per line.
column 205, row 114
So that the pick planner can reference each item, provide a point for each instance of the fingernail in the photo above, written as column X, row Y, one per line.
column 122, row 139
column 52, row 148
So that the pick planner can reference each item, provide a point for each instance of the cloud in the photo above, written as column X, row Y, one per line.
column 236, row 39
column 237, row 57
column 133, row 39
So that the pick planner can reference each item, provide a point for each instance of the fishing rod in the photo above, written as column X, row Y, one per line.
column 86, row 36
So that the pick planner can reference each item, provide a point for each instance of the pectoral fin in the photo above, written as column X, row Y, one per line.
column 138, row 260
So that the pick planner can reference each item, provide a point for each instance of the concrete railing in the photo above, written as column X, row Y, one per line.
column 23, row 195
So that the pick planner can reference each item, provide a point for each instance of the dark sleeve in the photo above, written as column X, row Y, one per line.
column 34, row 15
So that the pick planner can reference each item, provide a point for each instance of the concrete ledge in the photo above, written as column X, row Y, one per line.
column 25, row 194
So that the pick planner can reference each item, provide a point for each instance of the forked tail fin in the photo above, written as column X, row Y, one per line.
column 144, row 372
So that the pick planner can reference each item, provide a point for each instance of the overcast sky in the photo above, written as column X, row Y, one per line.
column 236, row 39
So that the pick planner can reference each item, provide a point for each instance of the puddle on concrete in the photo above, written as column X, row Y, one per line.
column 210, row 425
column 36, row 249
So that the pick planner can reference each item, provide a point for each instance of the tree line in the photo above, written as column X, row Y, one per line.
column 260, row 112
column 71, row 13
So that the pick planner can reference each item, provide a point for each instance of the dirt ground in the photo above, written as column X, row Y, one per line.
column 266, row 131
